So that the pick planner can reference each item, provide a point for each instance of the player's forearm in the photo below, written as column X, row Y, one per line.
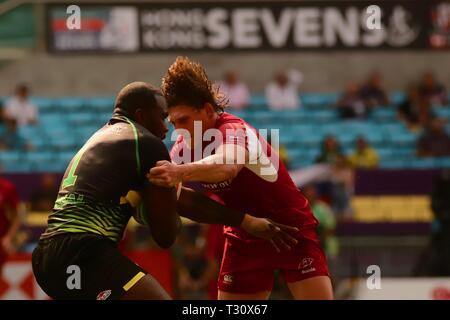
column 197, row 207
column 199, row 171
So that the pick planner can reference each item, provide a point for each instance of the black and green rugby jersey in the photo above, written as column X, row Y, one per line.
column 112, row 162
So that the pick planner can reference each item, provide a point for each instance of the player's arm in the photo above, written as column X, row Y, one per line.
column 225, row 164
column 198, row 207
column 159, row 203
column 160, row 210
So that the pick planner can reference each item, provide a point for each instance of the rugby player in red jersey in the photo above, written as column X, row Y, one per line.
column 9, row 219
column 245, row 173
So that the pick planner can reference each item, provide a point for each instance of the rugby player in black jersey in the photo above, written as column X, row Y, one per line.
column 97, row 197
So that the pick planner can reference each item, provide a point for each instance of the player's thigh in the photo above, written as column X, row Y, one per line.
column 147, row 288
column 261, row 295
column 315, row 288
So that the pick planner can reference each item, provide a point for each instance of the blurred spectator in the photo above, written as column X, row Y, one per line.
column 327, row 221
column 364, row 155
column 342, row 179
column 410, row 110
column 435, row 259
column 235, row 91
column 20, row 108
column 432, row 92
column 192, row 263
column 9, row 219
column 372, row 93
column 351, row 105
column 44, row 198
column 330, row 151
column 434, row 142
column 11, row 139
column 2, row 112
column 282, row 93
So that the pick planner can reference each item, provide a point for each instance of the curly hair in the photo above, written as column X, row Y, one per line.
column 186, row 83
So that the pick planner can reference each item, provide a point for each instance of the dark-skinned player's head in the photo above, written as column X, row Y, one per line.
column 190, row 96
column 144, row 104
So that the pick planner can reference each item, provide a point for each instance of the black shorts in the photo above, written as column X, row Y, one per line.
column 83, row 266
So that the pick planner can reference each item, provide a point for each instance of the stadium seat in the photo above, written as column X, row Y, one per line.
column 63, row 143
column 65, row 157
column 70, row 104
column 442, row 111
column 318, row 100
column 16, row 166
column 80, row 119
column 383, row 115
column 100, row 104
column 44, row 105
column 403, row 139
column 397, row 97
column 258, row 102
column 66, row 124
column 10, row 156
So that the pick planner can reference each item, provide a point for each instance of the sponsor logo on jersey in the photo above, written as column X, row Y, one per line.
column 104, row 295
column 228, row 278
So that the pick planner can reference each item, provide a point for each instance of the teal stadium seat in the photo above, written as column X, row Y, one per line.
column 258, row 102
column 384, row 114
column 405, row 139
column 100, row 104
column 397, row 97
column 65, row 157
column 70, row 104
column 66, row 124
column 63, row 143
column 80, row 119
column 44, row 105
column 442, row 111
column 318, row 100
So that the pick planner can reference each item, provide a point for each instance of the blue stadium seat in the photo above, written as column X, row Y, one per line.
column 375, row 138
column 65, row 157
column 10, row 156
column 385, row 154
column 258, row 102
column 63, row 142
column 443, row 162
column 291, row 117
column 384, row 115
column 70, row 104
column 40, row 156
column 403, row 139
column 323, row 116
column 318, row 100
column 421, row 163
column 393, row 164
column 80, row 118
column 397, row 97
column 44, row 105
column 405, row 153
column 30, row 132
column 310, row 140
column 442, row 111
column 100, row 104
column 16, row 166
column 52, row 120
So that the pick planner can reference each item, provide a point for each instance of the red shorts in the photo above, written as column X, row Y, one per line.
column 248, row 265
